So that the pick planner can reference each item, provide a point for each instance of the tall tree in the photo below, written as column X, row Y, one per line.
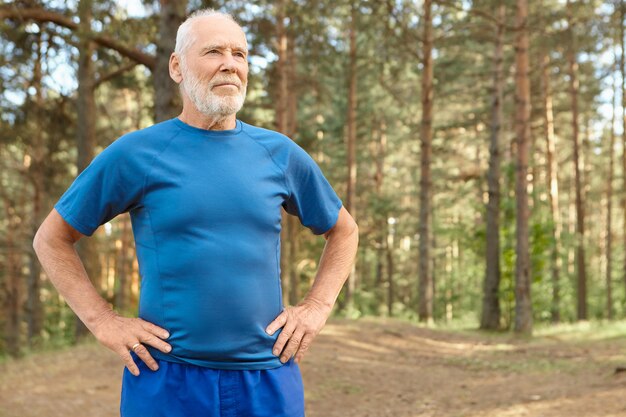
column 86, row 137
column 13, row 291
column 351, row 138
column 622, row 69
column 609, row 202
column 581, row 272
column 285, row 111
column 552, row 182
column 523, row 306
column 166, row 98
column 124, row 246
column 34, row 306
column 425, row 308
column 490, row 318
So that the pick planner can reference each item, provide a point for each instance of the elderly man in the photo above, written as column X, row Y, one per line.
column 204, row 191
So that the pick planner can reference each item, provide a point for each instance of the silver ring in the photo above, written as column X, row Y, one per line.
column 135, row 345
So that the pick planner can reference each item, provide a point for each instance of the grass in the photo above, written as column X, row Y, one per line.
column 590, row 330
column 584, row 330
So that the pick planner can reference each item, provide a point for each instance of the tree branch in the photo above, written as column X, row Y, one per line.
column 42, row 15
column 113, row 74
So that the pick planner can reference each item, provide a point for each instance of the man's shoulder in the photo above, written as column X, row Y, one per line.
column 147, row 137
column 153, row 132
column 284, row 151
column 139, row 146
column 262, row 133
column 274, row 141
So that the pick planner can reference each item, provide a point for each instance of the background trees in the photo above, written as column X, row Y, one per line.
column 438, row 123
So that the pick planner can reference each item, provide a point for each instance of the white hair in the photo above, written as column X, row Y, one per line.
column 184, row 35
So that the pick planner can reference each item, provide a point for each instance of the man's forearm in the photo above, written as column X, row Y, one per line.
column 335, row 267
column 67, row 273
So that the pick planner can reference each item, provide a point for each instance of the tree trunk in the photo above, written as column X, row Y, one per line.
column 390, row 267
column 292, row 94
column 13, row 288
column 622, row 70
column 167, row 102
column 291, row 129
column 571, row 228
column 383, row 250
column 425, row 308
column 609, row 205
column 581, row 274
column 491, row 304
column 553, row 187
column 293, row 274
column 34, row 305
column 285, row 120
column 287, row 236
column 523, row 306
column 123, row 265
column 351, row 143
column 125, row 253
column 281, row 68
column 86, row 140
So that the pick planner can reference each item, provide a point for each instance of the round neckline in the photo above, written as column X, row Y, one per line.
column 209, row 133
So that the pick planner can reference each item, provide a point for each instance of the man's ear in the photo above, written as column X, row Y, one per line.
column 175, row 70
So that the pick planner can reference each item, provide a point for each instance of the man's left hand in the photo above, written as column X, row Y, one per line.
column 300, row 324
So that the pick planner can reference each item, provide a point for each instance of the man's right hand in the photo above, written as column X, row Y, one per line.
column 120, row 334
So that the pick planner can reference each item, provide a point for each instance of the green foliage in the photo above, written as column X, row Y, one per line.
column 389, row 110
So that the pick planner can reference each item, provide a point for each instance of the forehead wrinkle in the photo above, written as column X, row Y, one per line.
column 222, row 45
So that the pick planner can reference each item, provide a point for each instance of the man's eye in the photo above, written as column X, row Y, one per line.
column 240, row 54
column 213, row 51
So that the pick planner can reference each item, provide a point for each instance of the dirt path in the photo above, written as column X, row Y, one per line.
column 370, row 367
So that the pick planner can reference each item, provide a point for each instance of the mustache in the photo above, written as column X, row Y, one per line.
column 218, row 81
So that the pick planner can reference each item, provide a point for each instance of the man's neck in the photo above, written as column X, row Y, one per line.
column 202, row 121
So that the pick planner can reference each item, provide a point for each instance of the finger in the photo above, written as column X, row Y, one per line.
column 292, row 346
column 304, row 346
column 145, row 356
column 283, row 337
column 277, row 323
column 152, row 340
column 154, row 329
column 130, row 363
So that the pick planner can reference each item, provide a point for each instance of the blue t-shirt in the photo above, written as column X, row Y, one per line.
column 205, row 208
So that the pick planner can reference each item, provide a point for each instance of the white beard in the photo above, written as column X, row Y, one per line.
column 207, row 102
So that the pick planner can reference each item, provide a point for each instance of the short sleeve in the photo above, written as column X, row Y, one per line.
column 107, row 187
column 311, row 197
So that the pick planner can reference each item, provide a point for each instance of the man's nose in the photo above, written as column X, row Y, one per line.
column 228, row 63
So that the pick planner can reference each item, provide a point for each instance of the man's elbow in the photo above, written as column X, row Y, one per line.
column 352, row 228
column 39, row 240
column 345, row 225
column 54, row 229
column 36, row 239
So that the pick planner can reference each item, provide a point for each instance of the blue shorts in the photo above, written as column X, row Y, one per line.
column 182, row 390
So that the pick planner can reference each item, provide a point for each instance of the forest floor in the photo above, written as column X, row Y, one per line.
column 377, row 367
